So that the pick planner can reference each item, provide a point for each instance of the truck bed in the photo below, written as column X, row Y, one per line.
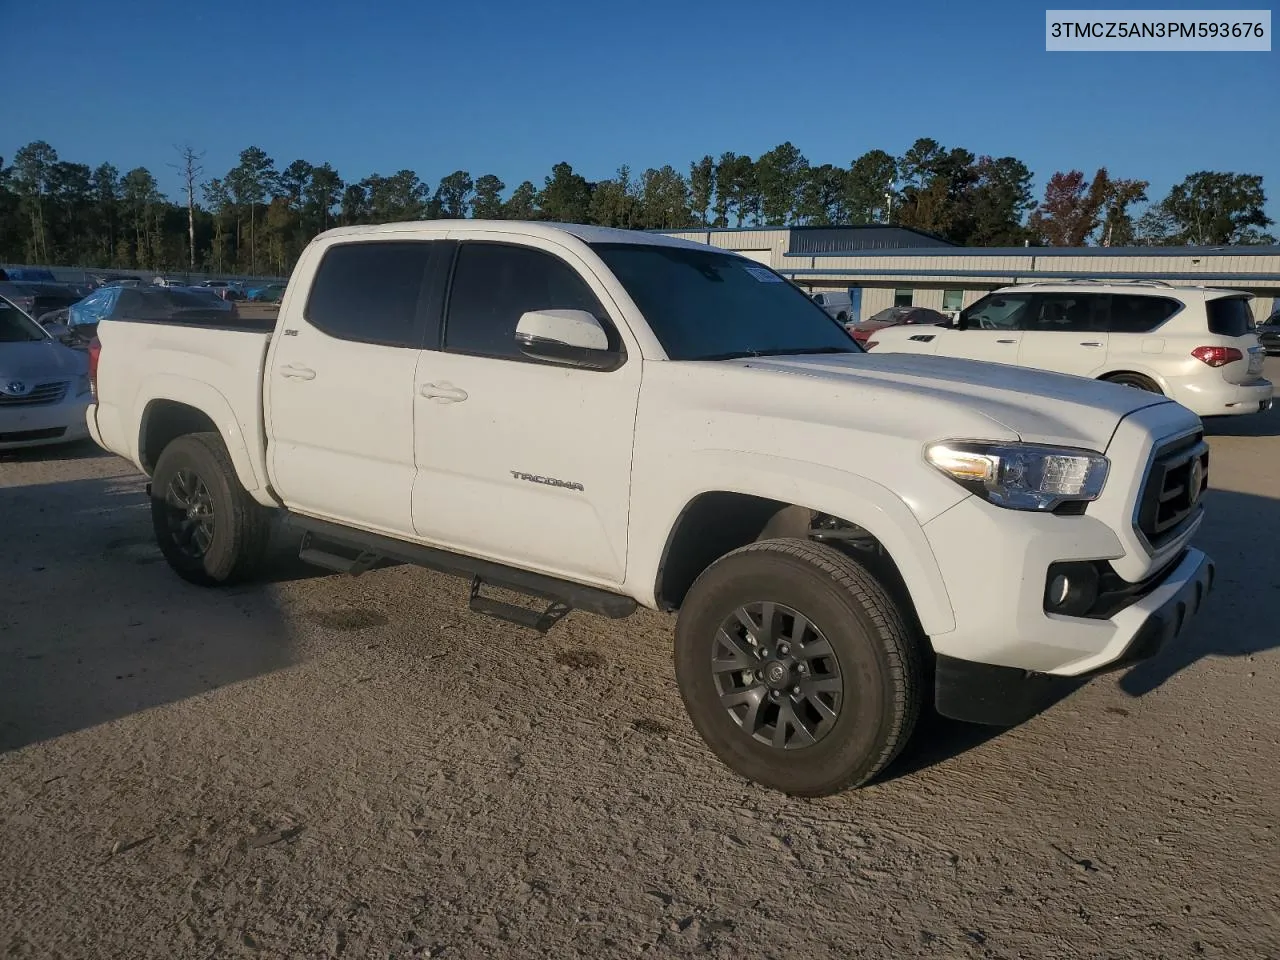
column 216, row 368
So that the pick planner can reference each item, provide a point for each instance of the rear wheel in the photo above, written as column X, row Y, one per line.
column 1136, row 380
column 843, row 317
column 208, row 528
column 797, row 668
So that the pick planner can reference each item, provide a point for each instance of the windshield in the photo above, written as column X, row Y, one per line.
column 706, row 305
column 17, row 327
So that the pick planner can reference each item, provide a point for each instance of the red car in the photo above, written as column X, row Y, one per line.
column 896, row 316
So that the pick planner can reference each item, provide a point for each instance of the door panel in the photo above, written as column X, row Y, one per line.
column 992, row 346
column 1066, row 332
column 990, row 330
column 532, row 467
column 341, row 387
column 1079, row 354
column 524, row 462
column 342, row 429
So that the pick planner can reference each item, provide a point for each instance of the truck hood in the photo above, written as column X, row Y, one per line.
column 40, row 360
column 1039, row 407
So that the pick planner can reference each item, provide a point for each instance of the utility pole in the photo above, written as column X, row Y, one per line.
column 190, row 169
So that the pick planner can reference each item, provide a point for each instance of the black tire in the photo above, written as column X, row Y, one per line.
column 877, row 653
column 1135, row 380
column 235, row 537
column 842, row 317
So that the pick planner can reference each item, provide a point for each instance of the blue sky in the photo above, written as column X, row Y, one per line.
column 513, row 87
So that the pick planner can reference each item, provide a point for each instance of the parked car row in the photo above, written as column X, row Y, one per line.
column 1196, row 345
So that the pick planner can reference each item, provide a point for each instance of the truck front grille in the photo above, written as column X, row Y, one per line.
column 39, row 395
column 1170, row 497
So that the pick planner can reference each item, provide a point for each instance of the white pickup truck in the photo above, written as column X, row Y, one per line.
column 603, row 419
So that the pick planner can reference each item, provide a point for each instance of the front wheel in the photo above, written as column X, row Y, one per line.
column 208, row 528
column 797, row 668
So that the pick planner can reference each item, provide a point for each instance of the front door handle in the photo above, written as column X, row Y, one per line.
column 445, row 392
column 296, row 371
column 1006, row 341
column 1090, row 343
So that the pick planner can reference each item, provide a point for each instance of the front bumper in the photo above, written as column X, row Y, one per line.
column 1004, row 696
column 43, row 424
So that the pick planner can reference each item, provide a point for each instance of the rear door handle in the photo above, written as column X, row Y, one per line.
column 1006, row 341
column 446, row 392
column 296, row 371
column 1090, row 343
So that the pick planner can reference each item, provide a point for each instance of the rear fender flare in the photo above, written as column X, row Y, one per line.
column 209, row 401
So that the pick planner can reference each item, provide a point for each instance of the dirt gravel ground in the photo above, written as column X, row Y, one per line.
column 325, row 766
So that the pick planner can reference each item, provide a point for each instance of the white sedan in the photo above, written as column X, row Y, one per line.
column 44, row 386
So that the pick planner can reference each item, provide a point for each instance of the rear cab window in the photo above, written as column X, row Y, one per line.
column 376, row 292
column 1230, row 317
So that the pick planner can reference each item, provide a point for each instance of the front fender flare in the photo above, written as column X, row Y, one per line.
column 848, row 496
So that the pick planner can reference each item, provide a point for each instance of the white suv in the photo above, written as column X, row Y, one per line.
column 1195, row 345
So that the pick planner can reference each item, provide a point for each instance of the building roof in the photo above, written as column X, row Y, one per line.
column 819, row 240
column 1269, row 250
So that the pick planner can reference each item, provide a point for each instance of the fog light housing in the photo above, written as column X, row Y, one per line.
column 1071, row 588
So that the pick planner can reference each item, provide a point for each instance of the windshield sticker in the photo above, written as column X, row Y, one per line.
column 763, row 275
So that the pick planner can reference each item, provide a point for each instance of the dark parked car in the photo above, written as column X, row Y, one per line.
column 174, row 304
column 1269, row 333
column 37, row 299
column 896, row 316
column 28, row 275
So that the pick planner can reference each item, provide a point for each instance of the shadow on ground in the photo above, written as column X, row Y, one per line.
column 93, row 624
column 1248, row 425
column 80, row 450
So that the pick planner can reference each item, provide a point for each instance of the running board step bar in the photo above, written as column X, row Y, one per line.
column 346, row 550
column 542, row 621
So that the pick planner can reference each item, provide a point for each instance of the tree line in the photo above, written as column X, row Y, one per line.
column 257, row 217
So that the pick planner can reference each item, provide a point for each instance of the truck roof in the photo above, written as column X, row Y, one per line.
column 524, row 228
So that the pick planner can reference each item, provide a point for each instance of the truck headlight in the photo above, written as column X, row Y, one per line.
column 1022, row 476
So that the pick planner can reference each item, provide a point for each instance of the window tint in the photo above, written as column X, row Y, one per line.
column 902, row 297
column 707, row 305
column 495, row 283
column 952, row 299
column 1068, row 313
column 997, row 312
column 369, row 292
column 1133, row 313
column 1230, row 317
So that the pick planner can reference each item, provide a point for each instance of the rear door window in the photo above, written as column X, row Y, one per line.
column 374, row 292
column 1069, row 313
column 1230, row 317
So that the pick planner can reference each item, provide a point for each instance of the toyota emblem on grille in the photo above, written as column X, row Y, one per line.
column 1195, row 481
column 15, row 387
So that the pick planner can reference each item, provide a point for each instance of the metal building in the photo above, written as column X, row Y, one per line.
column 886, row 266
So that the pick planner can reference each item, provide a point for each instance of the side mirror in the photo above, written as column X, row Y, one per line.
column 571, row 337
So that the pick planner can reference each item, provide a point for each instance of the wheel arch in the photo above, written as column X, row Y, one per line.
column 877, row 526
column 1134, row 369
column 172, row 410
